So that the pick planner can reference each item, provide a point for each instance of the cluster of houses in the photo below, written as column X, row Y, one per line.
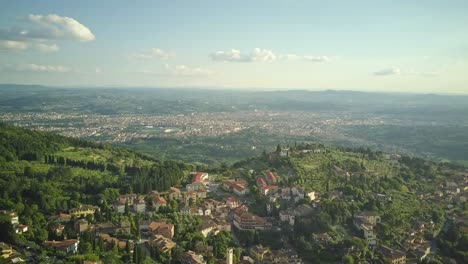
column 14, row 219
column 238, row 187
column 415, row 244
column 390, row 255
column 366, row 221
column 69, row 246
column 289, row 215
column 9, row 254
column 268, row 186
column 261, row 254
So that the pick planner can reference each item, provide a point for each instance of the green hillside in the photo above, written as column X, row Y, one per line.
column 42, row 174
column 401, row 190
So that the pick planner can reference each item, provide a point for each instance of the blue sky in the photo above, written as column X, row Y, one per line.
column 410, row 46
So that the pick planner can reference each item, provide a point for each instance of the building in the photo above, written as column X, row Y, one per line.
column 195, row 186
column 110, row 242
column 164, row 244
column 312, row 195
column 14, row 218
column 127, row 198
column 83, row 211
column 271, row 177
column 191, row 257
column 230, row 256
column 298, row 192
column 200, row 177
column 123, row 228
column 208, row 227
column 290, row 215
column 366, row 221
column 371, row 218
column 261, row 182
column 60, row 218
column 194, row 196
column 174, row 194
column 69, row 246
column 259, row 252
column 369, row 234
column 240, row 190
column 20, row 229
column 392, row 256
column 81, row 226
column 159, row 201
column 6, row 251
column 269, row 190
column 247, row 221
column 287, row 216
column 139, row 205
column 161, row 228
column 233, row 202
column 239, row 187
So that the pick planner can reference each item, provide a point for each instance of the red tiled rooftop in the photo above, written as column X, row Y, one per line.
column 198, row 177
column 271, row 176
column 261, row 181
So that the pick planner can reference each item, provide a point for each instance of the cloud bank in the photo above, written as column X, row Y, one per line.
column 234, row 55
column 31, row 67
column 39, row 30
column 262, row 55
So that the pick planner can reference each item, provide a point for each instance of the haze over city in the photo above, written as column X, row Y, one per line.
column 385, row 46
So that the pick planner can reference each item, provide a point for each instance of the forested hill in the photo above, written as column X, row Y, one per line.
column 57, row 172
column 21, row 144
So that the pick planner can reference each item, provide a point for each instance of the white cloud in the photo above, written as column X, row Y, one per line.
column 387, row 72
column 42, row 47
column 262, row 55
column 23, row 46
column 154, row 53
column 48, row 27
column 39, row 30
column 411, row 72
column 37, row 68
column 295, row 57
column 234, row 55
column 59, row 27
column 13, row 45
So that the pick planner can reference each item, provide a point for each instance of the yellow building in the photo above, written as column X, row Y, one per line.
column 83, row 210
column 6, row 250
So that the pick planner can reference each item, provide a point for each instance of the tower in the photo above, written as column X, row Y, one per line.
column 229, row 256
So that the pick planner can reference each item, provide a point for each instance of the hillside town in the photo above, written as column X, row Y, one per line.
column 140, row 222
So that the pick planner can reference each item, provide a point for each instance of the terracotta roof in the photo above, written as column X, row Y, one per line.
column 270, row 176
column 261, row 181
column 174, row 190
column 159, row 201
column 60, row 244
column 198, row 177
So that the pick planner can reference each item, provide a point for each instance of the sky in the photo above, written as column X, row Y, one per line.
column 387, row 46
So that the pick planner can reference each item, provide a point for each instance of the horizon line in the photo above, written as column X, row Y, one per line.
column 242, row 89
